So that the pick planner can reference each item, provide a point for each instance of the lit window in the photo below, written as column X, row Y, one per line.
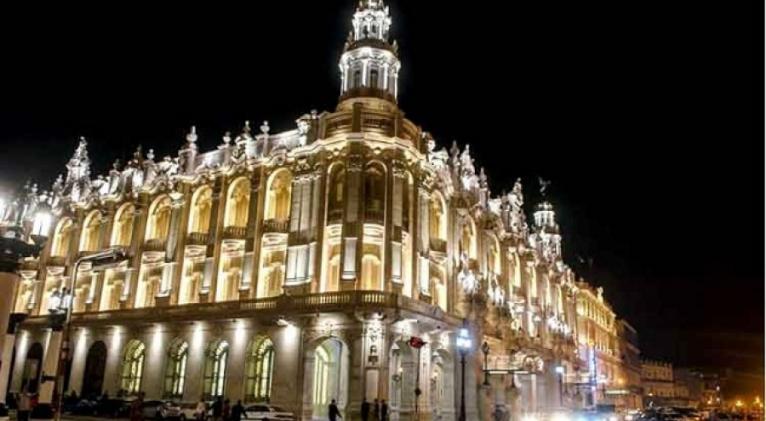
column 133, row 367
column 175, row 370
column 260, row 368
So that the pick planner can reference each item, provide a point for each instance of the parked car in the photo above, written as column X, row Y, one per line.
column 189, row 411
column 112, row 408
column 161, row 410
column 265, row 412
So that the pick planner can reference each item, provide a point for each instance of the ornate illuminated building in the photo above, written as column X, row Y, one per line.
column 295, row 267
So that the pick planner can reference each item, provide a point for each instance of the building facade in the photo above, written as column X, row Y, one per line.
column 631, row 392
column 297, row 267
column 658, row 382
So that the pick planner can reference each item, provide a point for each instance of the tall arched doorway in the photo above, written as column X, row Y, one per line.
column 329, row 376
column 32, row 367
column 93, row 377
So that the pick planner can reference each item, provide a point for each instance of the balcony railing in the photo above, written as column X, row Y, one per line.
column 438, row 245
column 281, row 226
column 283, row 305
column 155, row 244
column 197, row 238
column 235, row 233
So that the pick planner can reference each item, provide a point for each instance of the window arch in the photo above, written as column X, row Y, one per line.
column 374, row 78
column 335, row 194
column 357, row 78
column 122, row 233
column 91, row 232
column 62, row 238
column 158, row 225
column 278, row 196
column 259, row 369
column 133, row 367
column 175, row 369
column 374, row 193
column 215, row 368
column 237, row 204
column 199, row 217
column 371, row 273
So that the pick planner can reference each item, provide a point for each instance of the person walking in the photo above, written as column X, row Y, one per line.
column 218, row 409
column 376, row 410
column 237, row 411
column 365, row 410
column 333, row 413
column 226, row 413
column 383, row 411
column 200, row 412
column 24, row 406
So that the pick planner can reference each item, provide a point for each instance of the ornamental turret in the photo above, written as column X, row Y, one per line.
column 546, row 237
column 369, row 66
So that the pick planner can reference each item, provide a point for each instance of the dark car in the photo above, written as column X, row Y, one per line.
column 112, row 408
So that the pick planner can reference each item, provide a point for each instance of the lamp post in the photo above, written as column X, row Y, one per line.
column 464, row 345
column 485, row 351
column 15, row 245
column 100, row 261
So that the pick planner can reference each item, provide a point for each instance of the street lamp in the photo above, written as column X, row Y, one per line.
column 485, row 351
column 464, row 345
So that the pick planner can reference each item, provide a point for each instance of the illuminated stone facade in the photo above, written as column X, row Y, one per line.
column 294, row 268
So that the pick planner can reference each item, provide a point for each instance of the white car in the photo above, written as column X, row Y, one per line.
column 265, row 412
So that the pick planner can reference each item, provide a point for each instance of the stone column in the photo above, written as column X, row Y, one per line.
column 353, row 229
column 395, row 224
column 50, row 374
column 210, row 275
column 423, row 246
column 253, row 235
column 137, row 246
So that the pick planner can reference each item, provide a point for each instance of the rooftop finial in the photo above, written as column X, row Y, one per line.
column 192, row 136
column 265, row 127
column 544, row 185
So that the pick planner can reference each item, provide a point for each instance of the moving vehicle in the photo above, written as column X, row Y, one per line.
column 266, row 412
column 161, row 410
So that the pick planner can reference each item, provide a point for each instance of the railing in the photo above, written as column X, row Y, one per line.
column 197, row 238
column 155, row 244
column 235, row 233
column 438, row 245
column 276, row 226
column 282, row 305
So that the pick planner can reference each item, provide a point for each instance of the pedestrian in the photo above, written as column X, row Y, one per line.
column 218, row 409
column 365, row 410
column 200, row 411
column 136, row 408
column 383, row 410
column 237, row 411
column 226, row 413
column 376, row 410
column 24, row 406
column 333, row 413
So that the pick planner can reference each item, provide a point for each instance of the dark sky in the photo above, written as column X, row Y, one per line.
column 645, row 115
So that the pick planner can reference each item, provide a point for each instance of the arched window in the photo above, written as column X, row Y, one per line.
column 335, row 194
column 122, row 233
column 371, row 273
column 175, row 369
column 199, row 217
column 158, row 225
column 133, row 367
column 278, row 196
column 374, row 193
column 238, row 204
column 215, row 368
column 357, row 78
column 91, row 233
column 62, row 238
column 259, row 369
column 374, row 78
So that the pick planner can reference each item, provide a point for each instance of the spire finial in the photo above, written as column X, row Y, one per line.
column 192, row 136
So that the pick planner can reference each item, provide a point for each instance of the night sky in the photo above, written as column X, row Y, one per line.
column 645, row 115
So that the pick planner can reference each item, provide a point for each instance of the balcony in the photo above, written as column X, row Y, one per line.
column 197, row 238
column 272, row 307
column 276, row 226
column 438, row 245
column 155, row 244
column 235, row 233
